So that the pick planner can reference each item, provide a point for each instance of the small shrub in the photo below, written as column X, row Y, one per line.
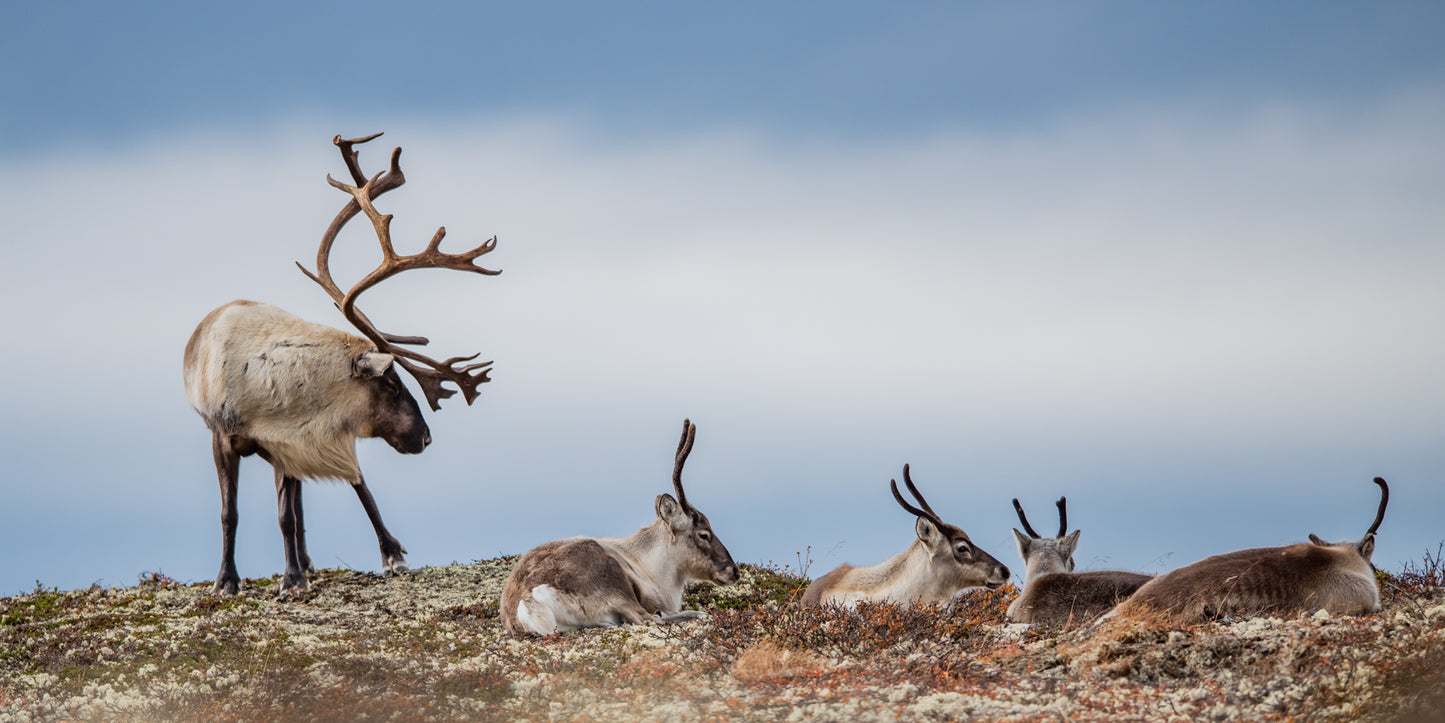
column 758, row 585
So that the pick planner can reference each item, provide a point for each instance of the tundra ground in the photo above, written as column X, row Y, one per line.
column 428, row 645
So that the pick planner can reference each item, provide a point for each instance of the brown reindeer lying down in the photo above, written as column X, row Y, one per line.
column 583, row 582
column 1053, row 593
column 1337, row 577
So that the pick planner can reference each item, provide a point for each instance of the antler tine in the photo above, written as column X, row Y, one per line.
column 1384, row 501
column 350, row 155
column 1063, row 516
column 926, row 513
column 684, row 448
column 429, row 373
column 1025, row 520
column 393, row 178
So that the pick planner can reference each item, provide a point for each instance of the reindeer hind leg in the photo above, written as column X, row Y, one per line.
column 293, row 582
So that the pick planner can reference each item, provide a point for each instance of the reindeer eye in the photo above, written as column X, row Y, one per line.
column 703, row 535
column 963, row 548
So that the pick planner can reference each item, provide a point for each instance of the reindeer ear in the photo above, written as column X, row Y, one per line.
column 1366, row 547
column 669, row 511
column 1069, row 544
column 370, row 364
column 1315, row 539
column 1024, row 543
column 929, row 534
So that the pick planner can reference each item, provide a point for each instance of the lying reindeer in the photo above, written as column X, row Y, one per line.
column 940, row 563
column 1287, row 580
column 583, row 582
column 300, row 394
column 1053, row 593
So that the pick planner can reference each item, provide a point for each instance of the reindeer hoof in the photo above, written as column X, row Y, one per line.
column 394, row 565
column 293, row 587
column 226, row 587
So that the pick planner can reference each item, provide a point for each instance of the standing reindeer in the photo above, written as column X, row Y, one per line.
column 585, row 582
column 1053, row 593
column 1287, row 580
column 940, row 563
column 300, row 394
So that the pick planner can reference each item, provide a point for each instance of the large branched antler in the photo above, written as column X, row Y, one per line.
column 429, row 373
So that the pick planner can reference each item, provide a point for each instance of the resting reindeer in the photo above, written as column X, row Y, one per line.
column 1053, row 593
column 940, row 563
column 299, row 394
column 1287, row 580
column 602, row 582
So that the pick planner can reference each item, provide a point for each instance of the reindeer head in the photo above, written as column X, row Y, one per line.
column 1365, row 547
column 1046, row 555
column 394, row 414
column 957, row 563
column 700, row 555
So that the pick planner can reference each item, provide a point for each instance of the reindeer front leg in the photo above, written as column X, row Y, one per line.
column 392, row 553
column 228, row 468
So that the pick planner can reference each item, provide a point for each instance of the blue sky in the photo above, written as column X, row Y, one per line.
column 1179, row 263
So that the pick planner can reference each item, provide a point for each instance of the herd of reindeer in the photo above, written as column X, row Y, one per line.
column 300, row 394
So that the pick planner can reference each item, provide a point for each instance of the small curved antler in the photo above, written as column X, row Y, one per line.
column 927, row 512
column 1063, row 516
column 1025, row 520
column 684, row 448
column 1384, row 501
column 428, row 372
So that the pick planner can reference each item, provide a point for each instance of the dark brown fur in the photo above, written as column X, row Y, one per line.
column 1261, row 581
column 1075, row 597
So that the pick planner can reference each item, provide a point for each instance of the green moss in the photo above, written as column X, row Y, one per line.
column 757, row 586
column 39, row 606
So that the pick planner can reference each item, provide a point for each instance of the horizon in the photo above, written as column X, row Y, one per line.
column 1181, row 265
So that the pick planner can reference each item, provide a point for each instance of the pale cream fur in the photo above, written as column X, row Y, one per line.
column 926, row 572
column 256, row 371
column 654, row 563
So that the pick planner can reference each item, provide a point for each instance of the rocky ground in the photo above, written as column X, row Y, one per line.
column 428, row 645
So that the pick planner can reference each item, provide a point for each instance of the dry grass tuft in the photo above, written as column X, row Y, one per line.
column 767, row 660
